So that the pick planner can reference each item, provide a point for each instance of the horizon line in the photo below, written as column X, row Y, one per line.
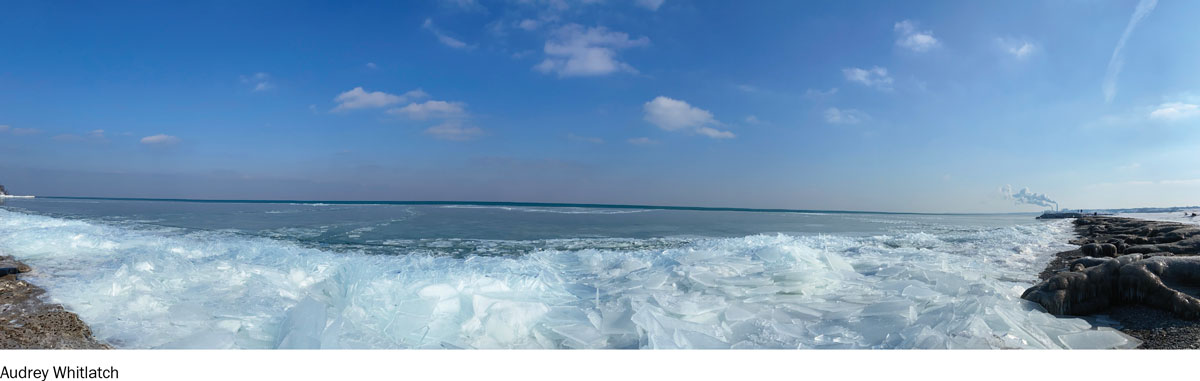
column 514, row 203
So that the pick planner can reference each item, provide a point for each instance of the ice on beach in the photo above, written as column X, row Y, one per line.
column 1101, row 338
column 166, row 288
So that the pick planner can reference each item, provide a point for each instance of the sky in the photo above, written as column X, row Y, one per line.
column 934, row 106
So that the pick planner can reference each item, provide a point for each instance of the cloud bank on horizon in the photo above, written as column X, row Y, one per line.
column 809, row 105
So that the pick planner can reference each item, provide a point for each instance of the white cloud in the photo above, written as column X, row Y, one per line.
column 752, row 119
column 642, row 141
column 876, row 77
column 372, row 66
column 1118, row 60
column 260, row 81
column 907, row 36
column 1175, row 111
column 833, row 115
column 714, row 133
column 357, row 98
column 160, row 140
column 675, row 115
column 454, row 130
column 1020, row 49
column 574, row 50
column 431, row 109
column 443, row 37
column 650, row 4
column 529, row 24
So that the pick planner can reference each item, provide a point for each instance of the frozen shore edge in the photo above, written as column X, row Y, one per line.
column 1096, row 292
column 28, row 322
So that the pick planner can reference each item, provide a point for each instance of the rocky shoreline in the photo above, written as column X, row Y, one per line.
column 1141, row 277
column 28, row 322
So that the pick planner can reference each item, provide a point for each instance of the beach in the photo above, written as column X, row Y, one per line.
column 28, row 322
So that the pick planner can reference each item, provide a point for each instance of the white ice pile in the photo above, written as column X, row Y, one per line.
column 174, row 289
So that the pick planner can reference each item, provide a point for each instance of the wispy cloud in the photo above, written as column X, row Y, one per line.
column 834, row 115
column 529, row 24
column 455, row 130
column 676, row 115
column 1118, row 59
column 1018, row 48
column 93, row 135
column 908, row 37
column 465, row 5
column 258, row 81
column 452, row 117
column 160, row 140
column 576, row 51
column 642, row 141
column 650, row 4
column 432, row 109
column 1175, row 111
column 444, row 38
column 19, row 131
column 357, row 98
column 876, row 77
column 372, row 66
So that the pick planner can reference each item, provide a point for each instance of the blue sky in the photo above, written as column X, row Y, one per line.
column 900, row 106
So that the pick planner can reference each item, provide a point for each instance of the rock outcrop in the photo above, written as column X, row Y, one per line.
column 1125, row 261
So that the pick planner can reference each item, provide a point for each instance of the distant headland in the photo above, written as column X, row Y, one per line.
column 4, row 194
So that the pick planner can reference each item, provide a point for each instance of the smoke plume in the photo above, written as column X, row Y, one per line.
column 1024, row 196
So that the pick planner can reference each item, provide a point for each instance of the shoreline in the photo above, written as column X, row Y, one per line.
column 1098, row 289
column 28, row 322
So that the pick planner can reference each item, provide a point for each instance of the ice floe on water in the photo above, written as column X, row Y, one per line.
column 171, row 288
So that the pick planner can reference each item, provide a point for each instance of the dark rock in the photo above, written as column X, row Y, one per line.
column 28, row 322
column 1150, row 287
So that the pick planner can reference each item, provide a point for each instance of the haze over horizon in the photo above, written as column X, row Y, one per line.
column 899, row 107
